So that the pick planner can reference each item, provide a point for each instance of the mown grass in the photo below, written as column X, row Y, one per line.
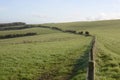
column 49, row 56
column 107, row 56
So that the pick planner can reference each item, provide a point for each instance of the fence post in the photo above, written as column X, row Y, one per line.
column 91, row 70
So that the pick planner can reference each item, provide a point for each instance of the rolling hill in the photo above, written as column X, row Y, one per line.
column 56, row 55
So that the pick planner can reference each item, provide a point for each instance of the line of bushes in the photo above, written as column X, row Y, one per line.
column 12, row 24
column 21, row 27
column 16, row 35
column 86, row 33
column 24, row 26
column 15, row 28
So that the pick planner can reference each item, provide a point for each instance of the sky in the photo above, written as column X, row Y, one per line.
column 52, row 11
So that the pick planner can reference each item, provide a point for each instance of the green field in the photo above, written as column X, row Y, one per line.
column 39, row 31
column 49, row 54
column 107, row 54
column 55, row 55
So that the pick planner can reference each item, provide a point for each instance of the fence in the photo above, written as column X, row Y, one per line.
column 91, row 63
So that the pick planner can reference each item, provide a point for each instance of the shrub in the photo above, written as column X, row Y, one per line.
column 80, row 32
column 55, row 28
column 12, row 24
column 16, row 35
column 87, row 33
column 70, row 31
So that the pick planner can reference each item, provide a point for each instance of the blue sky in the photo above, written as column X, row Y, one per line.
column 48, row 11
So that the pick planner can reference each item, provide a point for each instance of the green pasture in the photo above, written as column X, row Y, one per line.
column 107, row 55
column 50, row 55
column 54, row 55
column 39, row 31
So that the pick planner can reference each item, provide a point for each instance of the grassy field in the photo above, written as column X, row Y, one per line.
column 107, row 54
column 39, row 31
column 54, row 55
column 51, row 55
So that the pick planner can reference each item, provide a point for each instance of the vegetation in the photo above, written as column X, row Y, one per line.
column 107, row 54
column 50, row 55
column 38, row 31
column 87, row 33
column 16, row 35
column 54, row 54
column 80, row 32
column 12, row 24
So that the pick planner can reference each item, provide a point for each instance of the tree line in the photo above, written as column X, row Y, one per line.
column 17, row 35
column 12, row 24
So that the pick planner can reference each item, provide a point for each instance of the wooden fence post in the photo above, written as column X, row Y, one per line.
column 91, row 71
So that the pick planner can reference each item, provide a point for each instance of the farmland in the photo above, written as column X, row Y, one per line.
column 55, row 55
column 50, row 54
column 107, row 55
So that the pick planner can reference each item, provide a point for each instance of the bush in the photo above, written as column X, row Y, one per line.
column 80, row 32
column 87, row 33
column 55, row 28
column 16, row 35
column 70, row 31
column 12, row 24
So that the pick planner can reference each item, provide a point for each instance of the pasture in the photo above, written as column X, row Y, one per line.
column 107, row 55
column 55, row 55
column 50, row 55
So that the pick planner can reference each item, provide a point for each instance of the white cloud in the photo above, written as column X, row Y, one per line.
column 104, row 16
column 110, row 16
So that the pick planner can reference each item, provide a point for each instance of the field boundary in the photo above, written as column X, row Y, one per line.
column 17, row 35
column 26, row 26
column 31, row 34
column 91, row 63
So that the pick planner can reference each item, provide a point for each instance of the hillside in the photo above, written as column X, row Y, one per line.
column 49, row 54
column 108, row 38
column 55, row 54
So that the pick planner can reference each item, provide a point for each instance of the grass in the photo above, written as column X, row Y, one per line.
column 55, row 56
column 39, row 31
column 107, row 56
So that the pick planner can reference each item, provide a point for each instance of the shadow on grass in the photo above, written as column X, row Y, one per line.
column 80, row 68
column 79, row 71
